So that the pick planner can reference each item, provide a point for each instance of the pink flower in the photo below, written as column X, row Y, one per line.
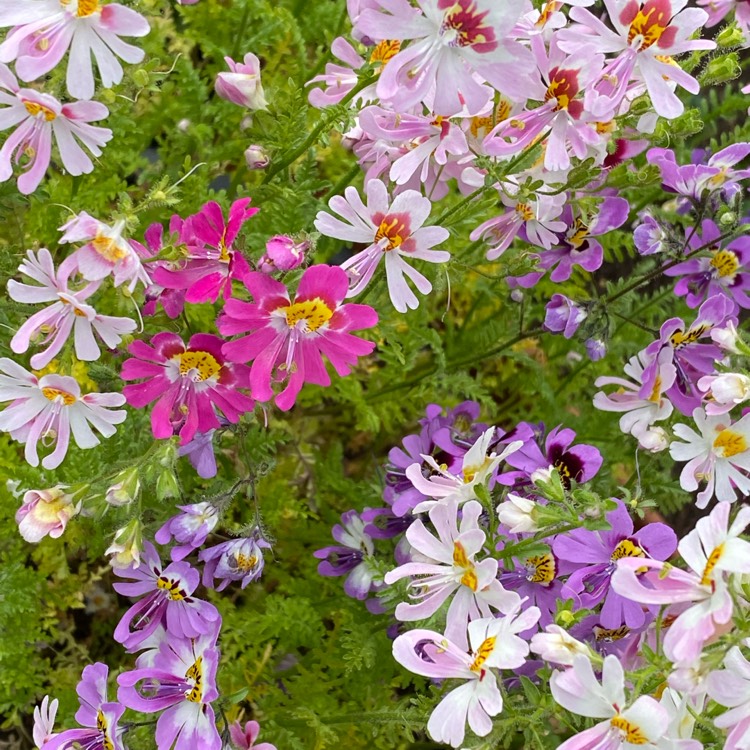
column 49, row 408
column 45, row 512
column 494, row 645
column 44, row 721
column 244, row 739
column 731, row 687
column 171, row 300
column 456, row 45
column 576, row 689
column 38, row 118
column 189, row 384
column 445, row 568
column 711, row 550
column 287, row 338
column 67, row 314
column 389, row 229
column 46, row 29
column 284, row 253
column 242, row 85
column 105, row 251
column 212, row 261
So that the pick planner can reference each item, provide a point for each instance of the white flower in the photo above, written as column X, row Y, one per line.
column 556, row 645
column 727, row 390
column 517, row 513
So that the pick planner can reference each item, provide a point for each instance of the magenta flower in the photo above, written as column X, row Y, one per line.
column 46, row 29
column 211, row 259
column 50, row 408
column 242, row 85
column 179, row 680
column 720, row 270
column 189, row 384
column 105, row 251
column 190, row 528
column 244, row 739
column 456, row 46
column 284, row 253
column 169, row 601
column 45, row 512
column 287, row 339
column 391, row 230
column 67, row 314
column 38, row 118
column 236, row 560
column 98, row 717
column 171, row 300
column 646, row 36
column 597, row 552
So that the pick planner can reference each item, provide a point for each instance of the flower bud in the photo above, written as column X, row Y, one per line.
column 596, row 349
column 45, row 512
column 256, row 157
column 517, row 513
column 127, row 545
column 731, row 36
column 125, row 489
column 653, row 440
column 562, row 315
column 284, row 253
column 242, row 85
column 166, row 485
column 141, row 77
column 549, row 483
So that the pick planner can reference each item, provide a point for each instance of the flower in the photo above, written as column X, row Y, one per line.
column 641, row 412
column 45, row 512
column 562, row 315
column 171, row 300
column 189, row 384
column 711, row 550
column 647, row 36
column 444, row 568
column 517, row 513
column 98, row 717
column 649, row 236
column 235, row 560
column 200, row 453
column 456, row 46
column 127, row 545
column 725, row 391
column 46, row 29
column 67, row 314
column 719, row 456
column 190, row 528
column 597, row 554
column 180, row 682
column 731, row 687
column 390, row 229
column 284, row 253
column 168, row 600
column 350, row 557
column 476, row 469
column 49, row 408
column 44, row 721
column 576, row 689
column 244, row 739
column 105, row 251
column 557, row 646
column 256, row 157
column 211, row 259
column 287, row 338
column 242, row 85
column 494, row 644
column 38, row 118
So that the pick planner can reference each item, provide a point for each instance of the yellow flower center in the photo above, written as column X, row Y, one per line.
column 482, row 654
column 195, row 673
column 656, row 392
column 244, row 562
column 725, row 262
column 172, row 588
column 630, row 732
column 56, row 395
column 49, row 512
column 547, row 11
column 525, row 211
column 461, row 560
column 314, row 312
column 680, row 339
column 201, row 364
column 109, row 248
column 35, row 110
column 649, row 24
column 729, row 443
column 101, row 725
column 392, row 229
column 579, row 233
column 713, row 559
column 610, row 634
column 541, row 569
column 626, row 548
column 385, row 51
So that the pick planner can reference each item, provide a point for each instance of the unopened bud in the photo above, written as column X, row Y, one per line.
column 127, row 545
column 141, row 77
column 125, row 489
column 166, row 485
column 732, row 36
column 256, row 157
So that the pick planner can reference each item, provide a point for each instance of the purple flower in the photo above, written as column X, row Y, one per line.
column 168, row 601
column 621, row 641
column 200, row 452
column 649, row 236
column 563, row 315
column 99, row 717
column 595, row 348
column 350, row 557
column 579, row 463
column 720, row 270
column 181, row 684
column 190, row 528
column 597, row 552
column 235, row 560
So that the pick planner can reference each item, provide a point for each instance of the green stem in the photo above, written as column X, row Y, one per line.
column 344, row 182
column 241, row 30
column 456, row 207
column 325, row 123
